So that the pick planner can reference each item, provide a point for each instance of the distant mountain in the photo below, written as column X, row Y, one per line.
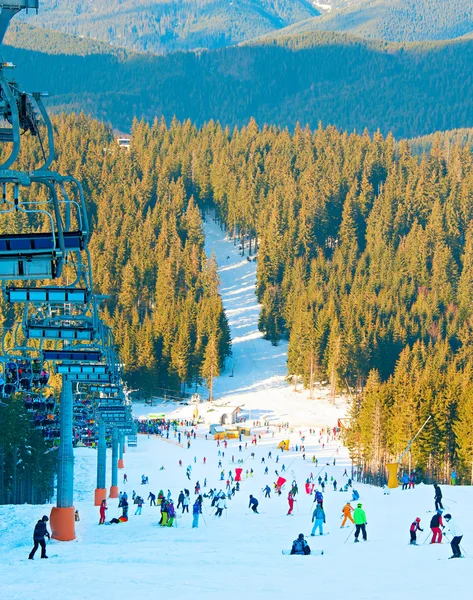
column 444, row 139
column 411, row 89
column 163, row 25
column 392, row 20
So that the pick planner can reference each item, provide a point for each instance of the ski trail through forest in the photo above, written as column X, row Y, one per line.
column 255, row 374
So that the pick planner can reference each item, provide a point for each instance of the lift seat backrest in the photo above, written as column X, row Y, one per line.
column 25, row 244
column 73, row 240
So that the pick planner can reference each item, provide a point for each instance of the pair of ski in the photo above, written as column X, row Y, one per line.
column 312, row 553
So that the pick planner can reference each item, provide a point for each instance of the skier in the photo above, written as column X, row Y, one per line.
column 347, row 510
column 180, row 499
column 196, row 511
column 125, row 478
column 435, row 524
column 415, row 527
column 139, row 500
column 318, row 518
column 405, row 481
column 171, row 514
column 290, row 500
column 133, row 495
column 355, row 495
column 267, row 492
column 454, row 478
column 221, row 504
column 319, row 498
column 253, row 504
column 152, row 499
column 125, row 508
column 185, row 504
column 300, row 546
column 359, row 517
column 334, row 485
column 457, row 536
column 103, row 508
column 438, row 497
column 40, row 531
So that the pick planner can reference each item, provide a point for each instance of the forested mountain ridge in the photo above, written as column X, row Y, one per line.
column 327, row 77
column 162, row 26
column 394, row 20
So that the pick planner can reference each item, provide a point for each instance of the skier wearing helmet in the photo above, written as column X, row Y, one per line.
column 359, row 516
column 415, row 527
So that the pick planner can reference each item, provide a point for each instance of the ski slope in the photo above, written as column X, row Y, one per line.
column 238, row 555
column 255, row 374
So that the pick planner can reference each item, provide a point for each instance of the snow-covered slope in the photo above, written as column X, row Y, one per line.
column 239, row 555
column 255, row 374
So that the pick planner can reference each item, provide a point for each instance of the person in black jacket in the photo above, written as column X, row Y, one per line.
column 40, row 531
column 438, row 497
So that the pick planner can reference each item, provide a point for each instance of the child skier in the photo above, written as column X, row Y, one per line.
column 415, row 527
column 103, row 508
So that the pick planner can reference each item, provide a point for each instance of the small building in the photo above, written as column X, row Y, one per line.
column 124, row 142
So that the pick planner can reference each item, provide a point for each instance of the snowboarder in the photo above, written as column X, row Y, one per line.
column 253, row 504
column 300, row 546
column 103, row 508
column 347, row 510
column 40, row 531
column 438, row 497
column 318, row 518
column 359, row 517
column 415, row 527
column 435, row 524
column 457, row 536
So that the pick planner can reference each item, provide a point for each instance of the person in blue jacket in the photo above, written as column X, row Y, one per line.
column 355, row 495
column 196, row 511
column 405, row 481
column 253, row 504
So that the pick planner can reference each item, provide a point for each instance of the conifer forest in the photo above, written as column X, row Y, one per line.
column 364, row 263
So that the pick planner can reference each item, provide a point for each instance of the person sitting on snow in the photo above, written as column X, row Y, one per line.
column 300, row 546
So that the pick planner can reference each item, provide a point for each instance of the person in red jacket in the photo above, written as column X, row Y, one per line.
column 415, row 527
column 103, row 508
column 290, row 500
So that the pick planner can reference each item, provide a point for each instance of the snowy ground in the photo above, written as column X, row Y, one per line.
column 240, row 553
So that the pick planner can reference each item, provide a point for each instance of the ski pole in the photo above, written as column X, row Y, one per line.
column 349, row 535
column 427, row 537
column 450, row 500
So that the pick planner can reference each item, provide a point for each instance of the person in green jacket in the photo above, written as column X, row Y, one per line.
column 359, row 516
